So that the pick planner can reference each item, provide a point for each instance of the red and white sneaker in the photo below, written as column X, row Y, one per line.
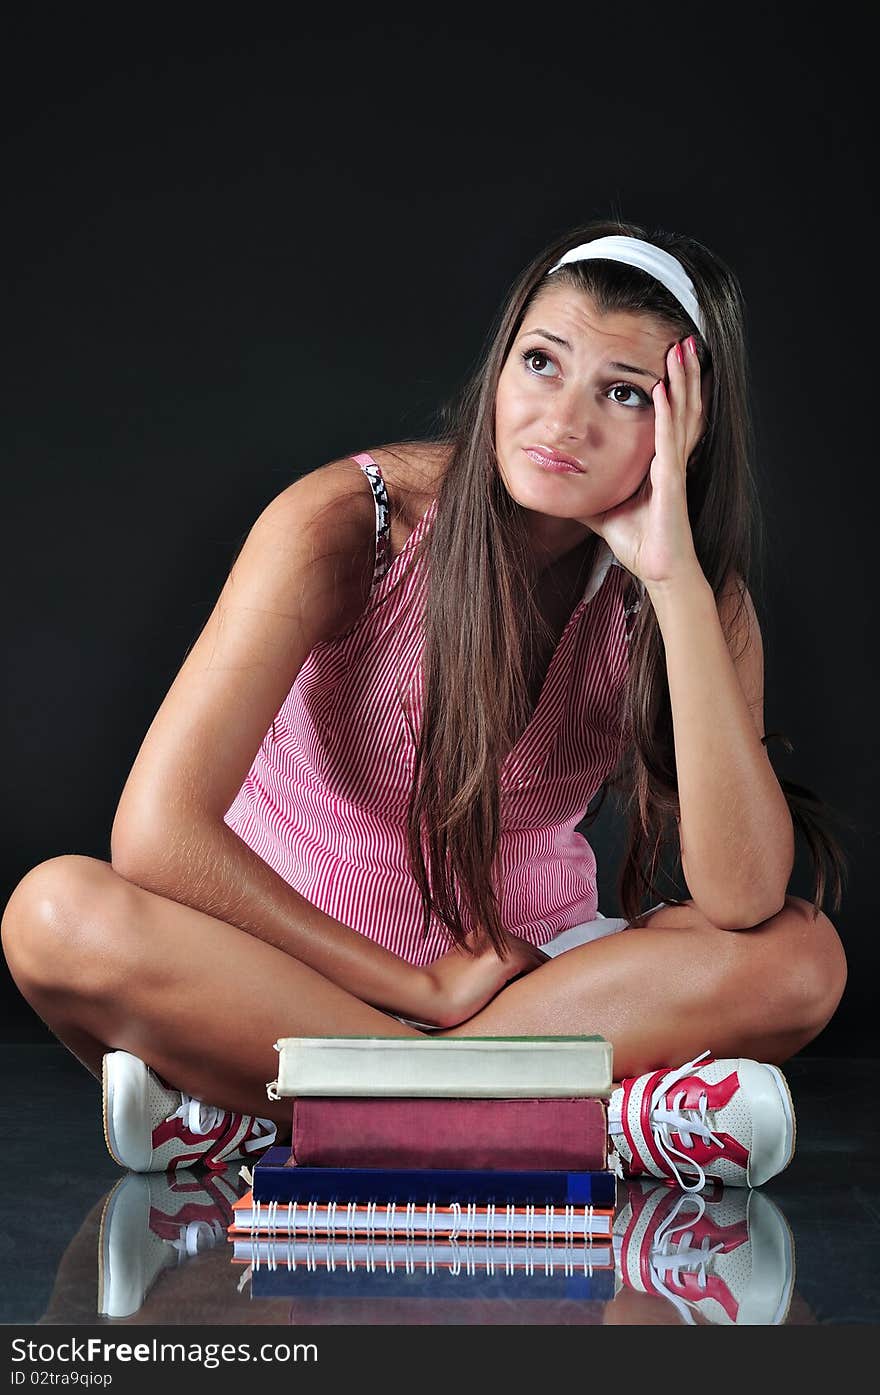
column 731, row 1120
column 151, row 1223
column 725, row 1258
column 150, row 1127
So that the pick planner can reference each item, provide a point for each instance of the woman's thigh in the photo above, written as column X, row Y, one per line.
column 678, row 985
column 109, row 965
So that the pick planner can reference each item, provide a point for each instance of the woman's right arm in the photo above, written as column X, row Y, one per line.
column 303, row 576
column 464, row 983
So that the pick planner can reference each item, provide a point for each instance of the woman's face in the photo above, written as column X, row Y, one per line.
column 589, row 397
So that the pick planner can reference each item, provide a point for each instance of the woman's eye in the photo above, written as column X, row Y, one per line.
column 642, row 399
column 530, row 354
column 626, row 389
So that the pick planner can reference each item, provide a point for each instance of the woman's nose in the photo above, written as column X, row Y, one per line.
column 575, row 418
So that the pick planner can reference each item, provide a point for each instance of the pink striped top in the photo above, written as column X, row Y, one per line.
column 324, row 802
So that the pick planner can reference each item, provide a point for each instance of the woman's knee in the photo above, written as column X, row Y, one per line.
column 816, row 967
column 57, row 923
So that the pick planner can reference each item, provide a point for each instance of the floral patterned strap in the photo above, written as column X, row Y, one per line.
column 383, row 514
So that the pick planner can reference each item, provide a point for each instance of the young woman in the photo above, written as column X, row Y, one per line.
column 355, row 810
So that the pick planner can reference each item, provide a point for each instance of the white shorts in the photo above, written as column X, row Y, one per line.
column 591, row 930
column 566, row 939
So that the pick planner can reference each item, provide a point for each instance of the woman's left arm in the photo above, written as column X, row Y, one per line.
column 737, row 836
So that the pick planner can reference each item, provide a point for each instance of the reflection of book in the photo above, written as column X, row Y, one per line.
column 566, row 1221
column 375, row 1131
column 311, row 1269
column 497, row 1309
column 276, row 1179
column 496, row 1067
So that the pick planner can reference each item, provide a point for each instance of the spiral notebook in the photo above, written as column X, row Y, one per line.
column 352, row 1220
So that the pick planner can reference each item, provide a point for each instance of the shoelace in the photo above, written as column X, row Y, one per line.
column 262, row 1139
column 198, row 1117
column 685, row 1122
column 670, row 1256
column 202, row 1118
column 195, row 1237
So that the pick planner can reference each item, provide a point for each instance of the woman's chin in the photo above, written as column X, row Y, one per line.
column 558, row 496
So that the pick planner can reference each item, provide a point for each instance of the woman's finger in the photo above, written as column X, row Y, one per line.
column 663, row 433
column 695, row 396
column 681, row 373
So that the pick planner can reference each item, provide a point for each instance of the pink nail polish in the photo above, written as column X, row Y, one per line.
column 691, row 343
column 679, row 355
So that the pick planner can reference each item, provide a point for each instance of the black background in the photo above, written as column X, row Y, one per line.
column 230, row 259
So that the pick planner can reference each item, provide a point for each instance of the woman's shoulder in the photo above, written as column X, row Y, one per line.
column 338, row 505
column 412, row 471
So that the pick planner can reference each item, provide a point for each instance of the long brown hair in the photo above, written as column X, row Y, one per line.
column 482, row 625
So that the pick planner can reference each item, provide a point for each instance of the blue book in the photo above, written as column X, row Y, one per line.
column 276, row 1179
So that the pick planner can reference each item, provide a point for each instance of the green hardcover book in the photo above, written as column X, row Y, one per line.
column 487, row 1067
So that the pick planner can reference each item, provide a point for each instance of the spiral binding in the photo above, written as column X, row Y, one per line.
column 469, row 1222
column 412, row 1237
column 466, row 1256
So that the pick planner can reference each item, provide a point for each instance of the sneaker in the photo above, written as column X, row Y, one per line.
column 727, row 1257
column 731, row 1120
column 152, row 1223
column 150, row 1127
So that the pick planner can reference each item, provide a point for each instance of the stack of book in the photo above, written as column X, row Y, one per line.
column 435, row 1165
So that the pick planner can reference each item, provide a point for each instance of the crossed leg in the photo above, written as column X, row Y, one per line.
column 109, row 965
column 665, row 993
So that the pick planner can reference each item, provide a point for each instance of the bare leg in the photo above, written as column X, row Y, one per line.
column 110, row 966
column 679, row 986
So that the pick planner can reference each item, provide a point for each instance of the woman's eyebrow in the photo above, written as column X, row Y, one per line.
column 620, row 367
column 554, row 338
column 636, row 372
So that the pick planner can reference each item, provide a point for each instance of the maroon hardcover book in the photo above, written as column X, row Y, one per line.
column 383, row 1131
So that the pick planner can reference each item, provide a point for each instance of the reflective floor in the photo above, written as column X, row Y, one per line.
column 83, row 1242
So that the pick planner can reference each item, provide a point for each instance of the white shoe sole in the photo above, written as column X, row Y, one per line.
column 767, row 1301
column 124, row 1222
column 126, row 1115
column 773, row 1125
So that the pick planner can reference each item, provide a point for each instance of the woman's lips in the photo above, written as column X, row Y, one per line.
column 559, row 464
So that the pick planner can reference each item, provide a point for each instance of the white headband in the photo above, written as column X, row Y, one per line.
column 659, row 264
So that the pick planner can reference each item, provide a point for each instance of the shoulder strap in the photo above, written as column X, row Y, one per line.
column 383, row 515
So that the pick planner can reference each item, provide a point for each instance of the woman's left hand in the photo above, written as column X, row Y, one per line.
column 650, row 532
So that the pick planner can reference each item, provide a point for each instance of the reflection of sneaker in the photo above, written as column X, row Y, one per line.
column 728, row 1257
column 149, row 1223
column 731, row 1120
column 150, row 1127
